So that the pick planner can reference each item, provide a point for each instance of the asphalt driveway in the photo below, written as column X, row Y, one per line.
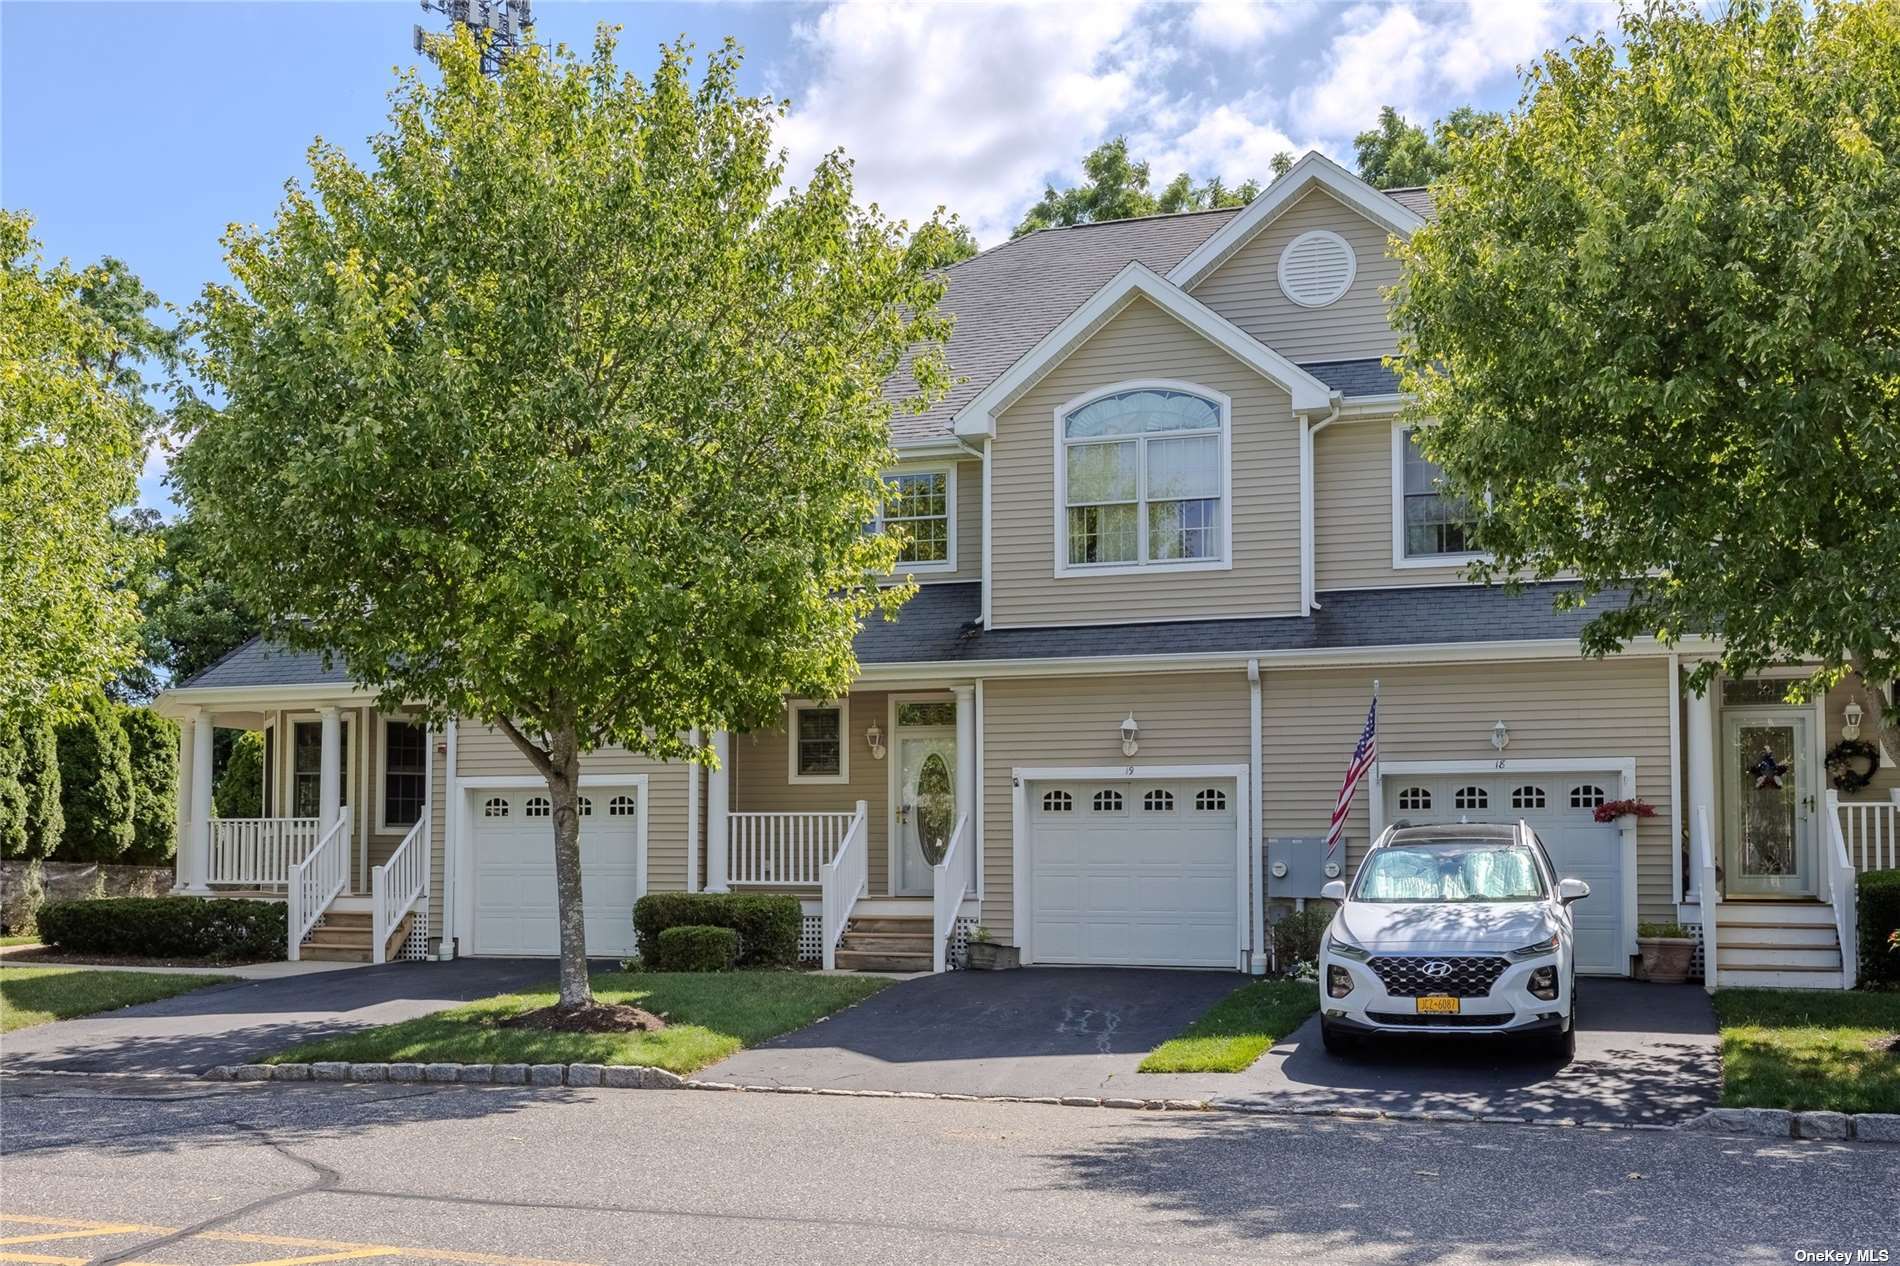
column 236, row 1023
column 1645, row 1053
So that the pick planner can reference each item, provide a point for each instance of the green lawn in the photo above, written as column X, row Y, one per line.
column 1784, row 1048
column 9, row 941
column 38, row 995
column 709, row 1016
column 1238, row 1029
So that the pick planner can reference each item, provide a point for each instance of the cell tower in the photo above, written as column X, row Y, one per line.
column 506, row 23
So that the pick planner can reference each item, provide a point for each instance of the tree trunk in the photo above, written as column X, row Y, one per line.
column 564, row 780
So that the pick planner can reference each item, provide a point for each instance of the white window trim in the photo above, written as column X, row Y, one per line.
column 1141, row 567
column 1352, row 267
column 345, row 771
column 1400, row 559
column 949, row 472
column 795, row 706
column 381, row 773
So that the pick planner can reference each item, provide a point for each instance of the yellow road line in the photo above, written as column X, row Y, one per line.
column 329, row 1250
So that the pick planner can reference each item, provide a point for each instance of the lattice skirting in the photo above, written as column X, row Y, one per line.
column 1696, row 956
column 415, row 947
column 811, row 939
column 959, row 956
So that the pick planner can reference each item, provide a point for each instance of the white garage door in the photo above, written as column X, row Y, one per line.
column 1134, row 873
column 1559, row 808
column 513, row 835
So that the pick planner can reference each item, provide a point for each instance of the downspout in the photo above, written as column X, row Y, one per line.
column 692, row 815
column 451, row 820
column 1309, row 476
column 1258, row 963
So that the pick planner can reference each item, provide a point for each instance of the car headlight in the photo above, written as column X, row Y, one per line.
column 1546, row 946
column 1338, row 981
column 1543, row 984
column 1346, row 949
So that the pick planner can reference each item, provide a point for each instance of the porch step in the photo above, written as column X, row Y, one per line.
column 1788, row 935
column 347, row 936
column 882, row 960
column 1761, row 913
column 886, row 942
column 917, row 924
column 1779, row 957
column 1779, row 978
column 890, row 942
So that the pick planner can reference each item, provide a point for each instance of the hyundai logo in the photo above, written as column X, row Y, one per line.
column 1436, row 970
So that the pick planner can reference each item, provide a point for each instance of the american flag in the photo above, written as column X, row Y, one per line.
column 1362, row 758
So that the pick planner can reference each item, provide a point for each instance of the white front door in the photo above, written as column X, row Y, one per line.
column 926, row 809
column 512, row 839
column 1768, row 806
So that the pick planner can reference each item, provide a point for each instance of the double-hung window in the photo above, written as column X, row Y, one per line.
column 921, row 505
column 1433, row 525
column 819, row 742
column 1144, row 480
column 306, row 768
column 405, row 772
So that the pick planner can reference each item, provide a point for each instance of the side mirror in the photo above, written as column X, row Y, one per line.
column 1569, row 890
column 1335, row 891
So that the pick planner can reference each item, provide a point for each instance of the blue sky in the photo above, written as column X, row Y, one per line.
column 142, row 129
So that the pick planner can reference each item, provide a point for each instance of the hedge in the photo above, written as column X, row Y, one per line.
column 695, row 947
column 1879, row 914
column 153, row 740
column 767, row 925
column 240, row 790
column 95, row 775
column 31, row 820
column 168, row 927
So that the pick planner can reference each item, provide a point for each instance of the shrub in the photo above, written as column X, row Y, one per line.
column 95, row 777
column 22, row 901
column 31, row 821
column 1296, row 935
column 695, row 947
column 767, row 925
column 12, row 791
column 1879, row 914
column 240, row 790
column 1666, row 931
column 168, row 927
column 153, row 741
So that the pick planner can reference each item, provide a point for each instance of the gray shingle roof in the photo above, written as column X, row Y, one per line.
column 1355, row 377
column 259, row 663
column 1418, row 200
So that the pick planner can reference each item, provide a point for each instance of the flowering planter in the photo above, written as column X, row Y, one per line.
column 1666, row 958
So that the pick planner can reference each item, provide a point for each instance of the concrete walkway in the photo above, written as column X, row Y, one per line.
column 237, row 1023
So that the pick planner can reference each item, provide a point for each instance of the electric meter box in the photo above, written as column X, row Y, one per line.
column 1297, row 865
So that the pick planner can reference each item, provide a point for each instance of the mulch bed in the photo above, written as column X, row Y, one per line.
column 600, row 1017
column 47, row 956
column 1889, row 1045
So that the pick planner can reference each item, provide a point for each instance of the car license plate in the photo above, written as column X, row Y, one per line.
column 1437, row 1006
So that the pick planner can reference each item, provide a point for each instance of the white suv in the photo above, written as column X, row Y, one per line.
column 1452, row 930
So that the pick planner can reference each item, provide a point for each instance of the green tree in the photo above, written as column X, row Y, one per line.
column 153, row 743
column 71, row 444
column 566, row 415
column 39, row 778
column 13, row 835
column 1396, row 154
column 940, row 243
column 95, row 777
column 1658, row 320
column 240, row 789
column 1116, row 187
column 190, row 617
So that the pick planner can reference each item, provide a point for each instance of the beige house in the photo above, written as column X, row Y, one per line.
column 1168, row 533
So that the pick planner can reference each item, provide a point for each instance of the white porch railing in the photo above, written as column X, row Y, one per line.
column 1870, row 830
column 396, row 886
column 949, row 882
column 1708, row 893
column 258, row 852
column 1842, row 889
column 783, row 848
column 842, row 880
column 316, row 880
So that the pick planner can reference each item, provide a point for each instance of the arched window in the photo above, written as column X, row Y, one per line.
column 536, row 807
column 586, row 807
column 620, row 807
column 1158, row 801
column 1057, row 802
column 1471, row 798
column 1210, row 800
column 1415, row 799
column 1109, row 801
column 1528, row 797
column 1144, row 478
column 1587, row 796
column 495, row 807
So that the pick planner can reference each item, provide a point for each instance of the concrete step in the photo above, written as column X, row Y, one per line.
column 1804, row 935
column 1777, row 978
column 1779, row 957
column 335, row 954
column 882, row 960
column 1739, row 913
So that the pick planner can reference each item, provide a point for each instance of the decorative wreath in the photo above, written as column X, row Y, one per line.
column 1842, row 759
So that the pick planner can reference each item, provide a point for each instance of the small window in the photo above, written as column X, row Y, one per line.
column 1108, row 801
column 1471, row 798
column 585, row 807
column 537, row 807
column 932, row 712
column 1158, row 801
column 1057, row 802
column 919, row 504
column 1587, row 796
column 1433, row 522
column 1210, row 800
column 495, row 807
column 620, row 807
column 1415, row 799
column 405, row 772
column 1528, row 797
column 818, row 743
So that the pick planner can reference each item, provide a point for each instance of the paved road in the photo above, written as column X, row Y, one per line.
column 220, row 1175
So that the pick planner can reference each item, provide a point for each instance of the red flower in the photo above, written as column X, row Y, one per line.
column 1611, row 810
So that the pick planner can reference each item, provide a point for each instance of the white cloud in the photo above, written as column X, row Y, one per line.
column 1235, row 141
column 1230, row 24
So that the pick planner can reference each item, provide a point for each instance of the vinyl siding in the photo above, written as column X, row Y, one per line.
column 1144, row 342
column 1245, row 288
column 1353, row 512
column 482, row 751
column 1185, row 719
column 1886, row 781
column 760, row 783
column 1554, row 709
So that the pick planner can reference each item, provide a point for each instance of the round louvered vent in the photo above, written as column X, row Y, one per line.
column 1316, row 268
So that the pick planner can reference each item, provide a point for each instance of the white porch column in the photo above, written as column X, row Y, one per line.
column 194, row 803
column 966, row 768
column 718, row 805
column 329, row 770
column 1699, row 749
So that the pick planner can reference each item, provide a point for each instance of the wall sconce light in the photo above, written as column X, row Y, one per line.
column 1500, row 736
column 875, row 737
column 1130, row 732
column 1850, row 720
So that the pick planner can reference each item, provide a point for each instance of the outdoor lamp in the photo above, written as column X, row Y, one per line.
column 875, row 737
column 1130, row 731
column 1850, row 720
column 1500, row 736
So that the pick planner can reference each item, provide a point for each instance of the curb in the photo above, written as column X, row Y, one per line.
column 1867, row 1127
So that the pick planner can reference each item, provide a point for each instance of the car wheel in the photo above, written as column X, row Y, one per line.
column 1562, row 1047
column 1336, row 1040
